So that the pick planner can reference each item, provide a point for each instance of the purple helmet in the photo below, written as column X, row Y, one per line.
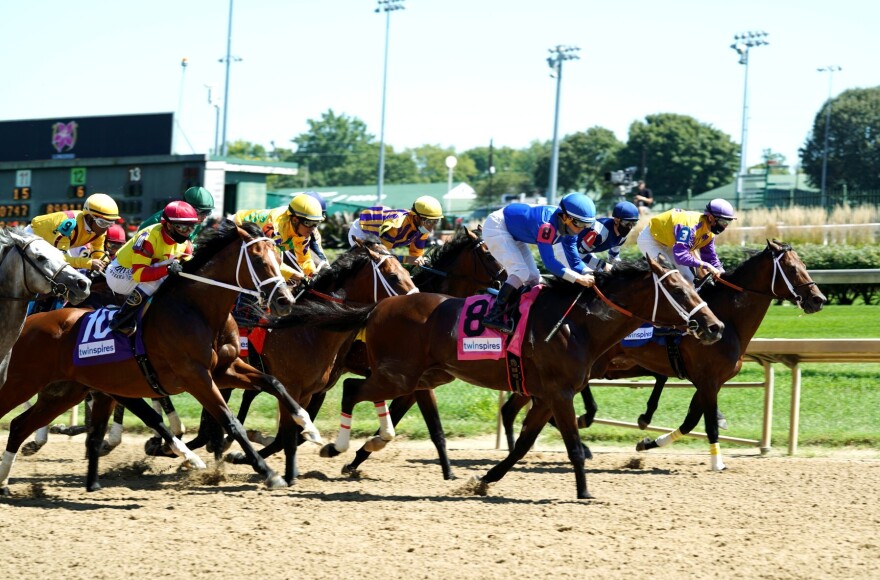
column 720, row 208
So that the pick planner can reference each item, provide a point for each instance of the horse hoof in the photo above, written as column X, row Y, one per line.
column 30, row 448
column 5, row 492
column 312, row 435
column 236, row 458
column 586, row 495
column 94, row 487
column 643, row 422
column 587, row 453
column 348, row 468
column 329, row 450
column 275, row 481
column 722, row 423
column 59, row 429
column 195, row 462
column 643, row 444
column 375, row 444
column 106, row 448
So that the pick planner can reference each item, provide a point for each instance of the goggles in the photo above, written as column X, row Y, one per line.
column 102, row 223
column 203, row 214
column 182, row 229
column 309, row 223
column 723, row 222
column 580, row 224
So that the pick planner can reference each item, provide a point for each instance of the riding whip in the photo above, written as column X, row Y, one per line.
column 558, row 325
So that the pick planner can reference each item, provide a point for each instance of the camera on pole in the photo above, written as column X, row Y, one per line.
column 623, row 180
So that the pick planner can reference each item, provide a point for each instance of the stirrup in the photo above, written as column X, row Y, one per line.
column 499, row 325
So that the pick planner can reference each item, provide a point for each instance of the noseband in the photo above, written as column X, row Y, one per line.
column 57, row 289
column 777, row 269
column 379, row 278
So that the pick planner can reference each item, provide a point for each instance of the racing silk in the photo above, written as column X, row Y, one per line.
column 395, row 228
column 599, row 238
column 686, row 232
column 276, row 225
column 538, row 224
column 46, row 227
column 149, row 253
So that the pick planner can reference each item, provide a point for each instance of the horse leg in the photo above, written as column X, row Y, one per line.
column 48, row 406
column 566, row 422
column 343, row 438
column 143, row 411
column 313, row 408
column 386, row 429
column 102, row 407
column 591, row 408
column 695, row 412
column 427, row 402
column 653, row 401
column 535, row 419
column 509, row 410
column 174, row 422
column 709, row 402
column 210, row 432
column 115, row 437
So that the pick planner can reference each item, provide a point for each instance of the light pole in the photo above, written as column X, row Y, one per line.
column 558, row 55
column 216, row 104
column 386, row 6
column 451, row 162
column 228, row 60
column 741, row 44
column 183, row 63
column 831, row 69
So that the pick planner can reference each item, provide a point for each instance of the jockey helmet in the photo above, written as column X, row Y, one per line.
column 115, row 234
column 579, row 206
column 306, row 207
column 319, row 197
column 101, row 207
column 626, row 211
column 720, row 208
column 179, row 219
column 428, row 208
column 200, row 198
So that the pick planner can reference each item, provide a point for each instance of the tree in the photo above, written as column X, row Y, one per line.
column 514, row 170
column 246, row 150
column 853, row 142
column 584, row 157
column 680, row 153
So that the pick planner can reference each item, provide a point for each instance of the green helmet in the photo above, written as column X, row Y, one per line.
column 200, row 198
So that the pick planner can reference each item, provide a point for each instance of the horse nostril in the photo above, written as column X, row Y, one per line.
column 82, row 284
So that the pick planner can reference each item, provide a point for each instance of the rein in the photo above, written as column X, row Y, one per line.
column 776, row 268
column 473, row 278
column 378, row 278
column 686, row 316
column 255, row 279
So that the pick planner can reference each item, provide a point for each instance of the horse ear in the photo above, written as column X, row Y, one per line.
column 359, row 242
column 479, row 230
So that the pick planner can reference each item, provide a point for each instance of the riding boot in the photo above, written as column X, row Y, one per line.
column 125, row 320
column 495, row 318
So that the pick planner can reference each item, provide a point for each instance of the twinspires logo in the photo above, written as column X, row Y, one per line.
column 103, row 347
column 481, row 345
column 641, row 333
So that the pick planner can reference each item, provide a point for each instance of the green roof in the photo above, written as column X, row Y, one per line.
column 356, row 197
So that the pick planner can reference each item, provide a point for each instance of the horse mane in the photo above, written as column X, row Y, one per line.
column 7, row 238
column 754, row 256
column 441, row 257
column 622, row 270
column 346, row 265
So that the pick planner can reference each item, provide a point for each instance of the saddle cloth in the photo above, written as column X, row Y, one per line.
column 476, row 342
column 97, row 344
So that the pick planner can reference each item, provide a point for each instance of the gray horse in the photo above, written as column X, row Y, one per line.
column 30, row 266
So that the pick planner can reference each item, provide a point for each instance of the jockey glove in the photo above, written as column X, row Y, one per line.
column 175, row 268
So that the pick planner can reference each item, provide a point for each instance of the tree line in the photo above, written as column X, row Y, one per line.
column 676, row 154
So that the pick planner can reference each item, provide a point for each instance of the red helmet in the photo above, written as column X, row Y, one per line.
column 180, row 212
column 116, row 234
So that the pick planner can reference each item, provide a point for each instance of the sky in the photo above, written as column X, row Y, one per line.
column 460, row 72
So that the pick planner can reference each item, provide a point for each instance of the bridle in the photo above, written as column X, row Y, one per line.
column 690, row 324
column 777, row 269
column 259, row 293
column 480, row 256
column 57, row 288
column 379, row 278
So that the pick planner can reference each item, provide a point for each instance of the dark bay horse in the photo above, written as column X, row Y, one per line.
column 740, row 299
column 30, row 266
column 411, row 344
column 180, row 330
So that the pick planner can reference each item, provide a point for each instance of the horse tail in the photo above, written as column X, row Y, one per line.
column 324, row 315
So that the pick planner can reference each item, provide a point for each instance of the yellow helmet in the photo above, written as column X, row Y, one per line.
column 428, row 207
column 101, row 205
column 306, row 207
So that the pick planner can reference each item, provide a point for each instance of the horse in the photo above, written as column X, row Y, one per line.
column 411, row 344
column 740, row 299
column 460, row 267
column 30, row 266
column 180, row 333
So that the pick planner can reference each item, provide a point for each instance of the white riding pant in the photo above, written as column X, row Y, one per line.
column 648, row 245
column 120, row 281
column 515, row 256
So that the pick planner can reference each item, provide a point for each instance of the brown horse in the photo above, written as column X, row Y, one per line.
column 411, row 344
column 180, row 331
column 740, row 299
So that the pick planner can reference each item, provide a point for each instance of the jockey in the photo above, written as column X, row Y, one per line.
column 113, row 240
column 198, row 197
column 397, row 228
column 292, row 229
column 71, row 230
column 607, row 234
column 508, row 233
column 143, row 263
column 315, row 244
column 678, row 235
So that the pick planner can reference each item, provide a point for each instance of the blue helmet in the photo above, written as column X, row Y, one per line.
column 626, row 211
column 720, row 208
column 579, row 206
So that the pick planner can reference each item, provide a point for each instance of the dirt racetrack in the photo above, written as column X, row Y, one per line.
column 657, row 514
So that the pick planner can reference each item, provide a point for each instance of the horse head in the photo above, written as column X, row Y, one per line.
column 258, row 263
column 388, row 272
column 682, row 303
column 461, row 267
column 791, row 280
column 45, row 271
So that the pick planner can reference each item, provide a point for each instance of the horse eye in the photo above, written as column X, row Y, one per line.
column 42, row 259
